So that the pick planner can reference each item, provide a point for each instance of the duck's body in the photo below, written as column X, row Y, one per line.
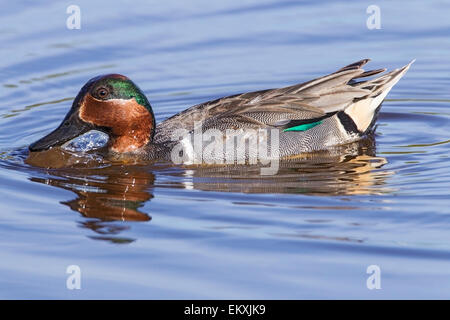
column 327, row 111
column 315, row 115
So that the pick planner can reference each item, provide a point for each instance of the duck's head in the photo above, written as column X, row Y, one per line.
column 112, row 104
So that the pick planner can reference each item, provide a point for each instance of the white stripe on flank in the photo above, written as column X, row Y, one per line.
column 188, row 150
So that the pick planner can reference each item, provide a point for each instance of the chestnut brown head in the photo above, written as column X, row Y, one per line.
column 110, row 103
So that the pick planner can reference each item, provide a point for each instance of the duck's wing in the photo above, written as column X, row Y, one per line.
column 336, row 91
column 285, row 107
column 249, row 110
column 279, row 111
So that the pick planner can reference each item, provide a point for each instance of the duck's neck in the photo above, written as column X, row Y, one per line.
column 133, row 137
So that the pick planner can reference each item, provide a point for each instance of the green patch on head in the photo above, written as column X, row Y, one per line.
column 303, row 127
column 126, row 89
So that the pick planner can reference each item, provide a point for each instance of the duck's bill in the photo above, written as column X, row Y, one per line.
column 68, row 130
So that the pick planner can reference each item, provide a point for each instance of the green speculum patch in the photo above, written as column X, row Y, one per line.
column 303, row 127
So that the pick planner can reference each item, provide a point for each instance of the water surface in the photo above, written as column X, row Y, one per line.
column 158, row 231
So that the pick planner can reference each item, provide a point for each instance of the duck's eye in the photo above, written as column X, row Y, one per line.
column 102, row 92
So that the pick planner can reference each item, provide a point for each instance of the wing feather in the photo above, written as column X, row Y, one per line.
column 300, row 103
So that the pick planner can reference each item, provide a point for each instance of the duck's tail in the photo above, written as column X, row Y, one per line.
column 363, row 110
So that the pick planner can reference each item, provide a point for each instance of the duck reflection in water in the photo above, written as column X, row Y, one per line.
column 105, row 195
column 118, row 191
column 351, row 169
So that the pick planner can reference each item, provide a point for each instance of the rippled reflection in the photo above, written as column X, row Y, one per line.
column 351, row 175
column 117, row 192
column 345, row 170
column 107, row 194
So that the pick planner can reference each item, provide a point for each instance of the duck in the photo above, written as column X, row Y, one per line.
column 335, row 109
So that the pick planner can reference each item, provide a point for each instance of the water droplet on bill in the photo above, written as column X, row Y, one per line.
column 88, row 141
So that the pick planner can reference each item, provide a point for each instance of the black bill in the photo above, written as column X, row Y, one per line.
column 69, row 129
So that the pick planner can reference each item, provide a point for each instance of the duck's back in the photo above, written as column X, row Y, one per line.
column 327, row 111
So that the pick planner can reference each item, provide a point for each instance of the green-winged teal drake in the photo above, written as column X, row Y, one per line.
column 335, row 109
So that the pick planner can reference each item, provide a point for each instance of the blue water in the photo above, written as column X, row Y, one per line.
column 158, row 231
